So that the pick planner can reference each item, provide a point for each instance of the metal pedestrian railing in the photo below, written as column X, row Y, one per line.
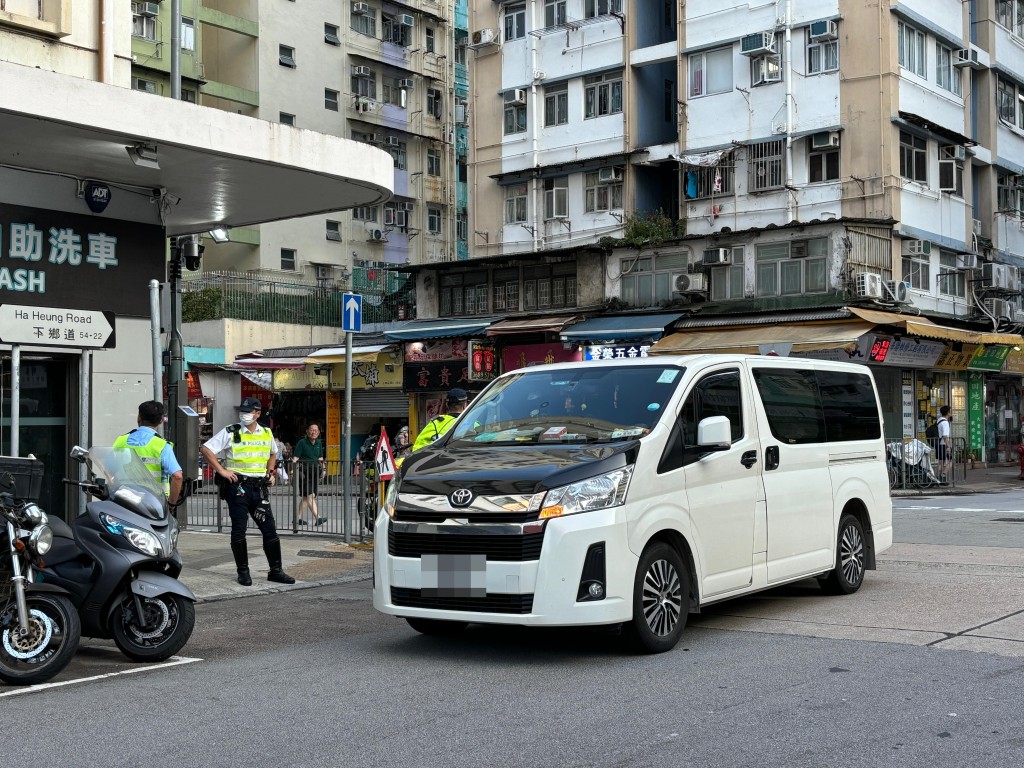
column 311, row 500
column 921, row 464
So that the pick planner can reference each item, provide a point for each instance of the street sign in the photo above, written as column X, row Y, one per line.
column 51, row 327
column 352, row 313
column 385, row 459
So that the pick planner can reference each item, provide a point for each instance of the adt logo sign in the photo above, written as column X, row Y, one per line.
column 352, row 313
column 97, row 196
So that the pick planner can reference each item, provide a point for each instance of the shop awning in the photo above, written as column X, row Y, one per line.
column 440, row 329
column 269, row 363
column 620, row 327
column 367, row 354
column 552, row 324
column 915, row 325
column 804, row 338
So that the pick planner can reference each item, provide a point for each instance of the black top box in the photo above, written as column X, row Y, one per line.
column 22, row 478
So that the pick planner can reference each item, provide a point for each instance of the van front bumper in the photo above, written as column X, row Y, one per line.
column 506, row 573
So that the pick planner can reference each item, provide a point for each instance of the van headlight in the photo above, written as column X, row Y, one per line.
column 391, row 497
column 600, row 492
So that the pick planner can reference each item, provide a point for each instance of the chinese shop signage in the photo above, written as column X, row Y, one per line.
column 436, row 376
column 483, row 361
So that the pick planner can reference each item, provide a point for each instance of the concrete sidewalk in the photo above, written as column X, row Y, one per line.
column 996, row 479
column 313, row 560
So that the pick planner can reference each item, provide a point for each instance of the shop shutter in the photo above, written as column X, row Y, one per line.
column 378, row 402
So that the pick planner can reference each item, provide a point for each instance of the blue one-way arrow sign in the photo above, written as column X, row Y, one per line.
column 352, row 313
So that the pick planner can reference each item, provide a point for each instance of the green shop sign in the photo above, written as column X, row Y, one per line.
column 989, row 358
column 976, row 412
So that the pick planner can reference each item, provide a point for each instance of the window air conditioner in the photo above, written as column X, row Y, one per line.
column 824, row 30
column 967, row 261
column 824, row 139
column 868, row 285
column 405, row 206
column 516, row 96
column 392, row 141
column 995, row 276
column 376, row 234
column 1012, row 278
column 898, row 291
column 609, row 175
column 406, row 83
column 323, row 272
column 758, row 43
column 998, row 308
column 684, row 283
column 976, row 226
column 965, row 57
column 715, row 256
column 483, row 37
column 956, row 152
column 360, row 71
column 917, row 247
column 149, row 9
column 406, row 20
column 360, row 9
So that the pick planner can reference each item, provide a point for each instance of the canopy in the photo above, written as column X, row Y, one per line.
column 620, row 327
column 269, row 363
column 804, row 338
column 551, row 324
column 915, row 325
column 366, row 354
column 439, row 329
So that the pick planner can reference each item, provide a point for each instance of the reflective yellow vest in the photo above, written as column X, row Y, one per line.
column 249, row 456
column 434, row 428
column 150, row 455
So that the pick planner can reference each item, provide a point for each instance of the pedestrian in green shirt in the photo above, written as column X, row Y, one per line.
column 308, row 458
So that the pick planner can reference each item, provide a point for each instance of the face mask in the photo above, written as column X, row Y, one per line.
column 247, row 419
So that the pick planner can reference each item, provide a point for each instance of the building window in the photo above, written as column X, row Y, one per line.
column 766, row 166
column 1010, row 193
column 711, row 72
column 822, row 56
column 463, row 294
column 188, row 35
column 400, row 155
column 1010, row 14
column 365, row 23
column 187, row 94
column 365, row 87
column 592, row 8
column 911, row 49
column 1006, row 102
column 727, row 280
column 506, row 289
column 913, row 157
column 333, row 230
column 515, row 203
column 556, row 104
column 286, row 56
column 460, row 52
column 393, row 32
column 331, row 34
column 141, row 84
column 951, row 169
column 143, row 26
column 603, row 190
column 554, row 13
column 392, row 92
column 461, row 227
column 822, row 163
column 792, row 268
column 602, row 95
column 434, row 102
column 365, row 213
column 714, row 181
column 556, row 198
column 515, row 22
column 947, row 76
column 952, row 281
column 429, row 32
column 288, row 258
column 515, row 112
column 767, row 68
column 917, row 271
column 433, row 220
column 549, row 286
column 286, row 119
column 648, row 281
column 433, row 162
column 330, row 100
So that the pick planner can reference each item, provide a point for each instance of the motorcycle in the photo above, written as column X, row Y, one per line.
column 119, row 559
column 39, row 628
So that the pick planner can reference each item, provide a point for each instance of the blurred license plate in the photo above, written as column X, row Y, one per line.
column 453, row 575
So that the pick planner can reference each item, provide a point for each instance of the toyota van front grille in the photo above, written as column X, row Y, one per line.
column 498, row 603
column 514, row 548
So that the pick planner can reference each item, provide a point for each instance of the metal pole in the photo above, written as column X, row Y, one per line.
column 15, row 398
column 346, row 444
column 84, row 438
column 175, row 49
column 154, row 322
column 174, row 346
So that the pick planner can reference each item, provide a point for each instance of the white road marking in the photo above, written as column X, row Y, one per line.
column 174, row 662
column 964, row 509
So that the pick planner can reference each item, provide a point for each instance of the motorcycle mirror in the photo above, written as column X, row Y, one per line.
column 79, row 454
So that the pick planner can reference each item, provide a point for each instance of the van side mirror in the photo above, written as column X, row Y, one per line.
column 714, row 434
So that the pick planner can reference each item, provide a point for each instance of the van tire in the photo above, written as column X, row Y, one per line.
column 848, row 574
column 436, row 626
column 661, row 600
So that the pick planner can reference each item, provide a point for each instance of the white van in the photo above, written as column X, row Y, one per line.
column 635, row 492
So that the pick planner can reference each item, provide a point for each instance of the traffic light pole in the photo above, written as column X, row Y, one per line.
column 346, row 444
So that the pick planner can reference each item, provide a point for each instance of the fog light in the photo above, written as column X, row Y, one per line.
column 596, row 590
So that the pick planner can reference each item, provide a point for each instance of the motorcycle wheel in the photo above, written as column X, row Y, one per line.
column 54, row 632
column 165, row 627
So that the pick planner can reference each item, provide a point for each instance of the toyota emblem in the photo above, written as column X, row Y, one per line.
column 461, row 497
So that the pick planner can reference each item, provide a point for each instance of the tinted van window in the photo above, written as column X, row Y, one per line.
column 792, row 405
column 848, row 401
column 714, row 395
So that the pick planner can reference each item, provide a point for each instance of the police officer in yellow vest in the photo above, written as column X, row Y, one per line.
column 245, row 477
column 156, row 453
column 457, row 401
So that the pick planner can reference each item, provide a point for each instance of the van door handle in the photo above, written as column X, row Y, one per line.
column 749, row 459
column 771, row 457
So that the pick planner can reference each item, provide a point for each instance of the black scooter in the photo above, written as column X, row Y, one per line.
column 119, row 560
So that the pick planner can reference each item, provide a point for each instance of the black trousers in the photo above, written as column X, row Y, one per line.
column 246, row 500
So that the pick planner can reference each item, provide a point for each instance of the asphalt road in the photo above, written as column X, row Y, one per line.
column 923, row 666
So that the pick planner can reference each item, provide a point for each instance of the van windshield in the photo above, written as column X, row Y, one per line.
column 601, row 404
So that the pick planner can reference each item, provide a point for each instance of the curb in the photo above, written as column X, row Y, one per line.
column 347, row 579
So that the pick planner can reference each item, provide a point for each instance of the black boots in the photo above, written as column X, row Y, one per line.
column 241, row 555
column 272, row 548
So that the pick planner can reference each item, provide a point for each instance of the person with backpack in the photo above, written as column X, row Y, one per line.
column 944, row 444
